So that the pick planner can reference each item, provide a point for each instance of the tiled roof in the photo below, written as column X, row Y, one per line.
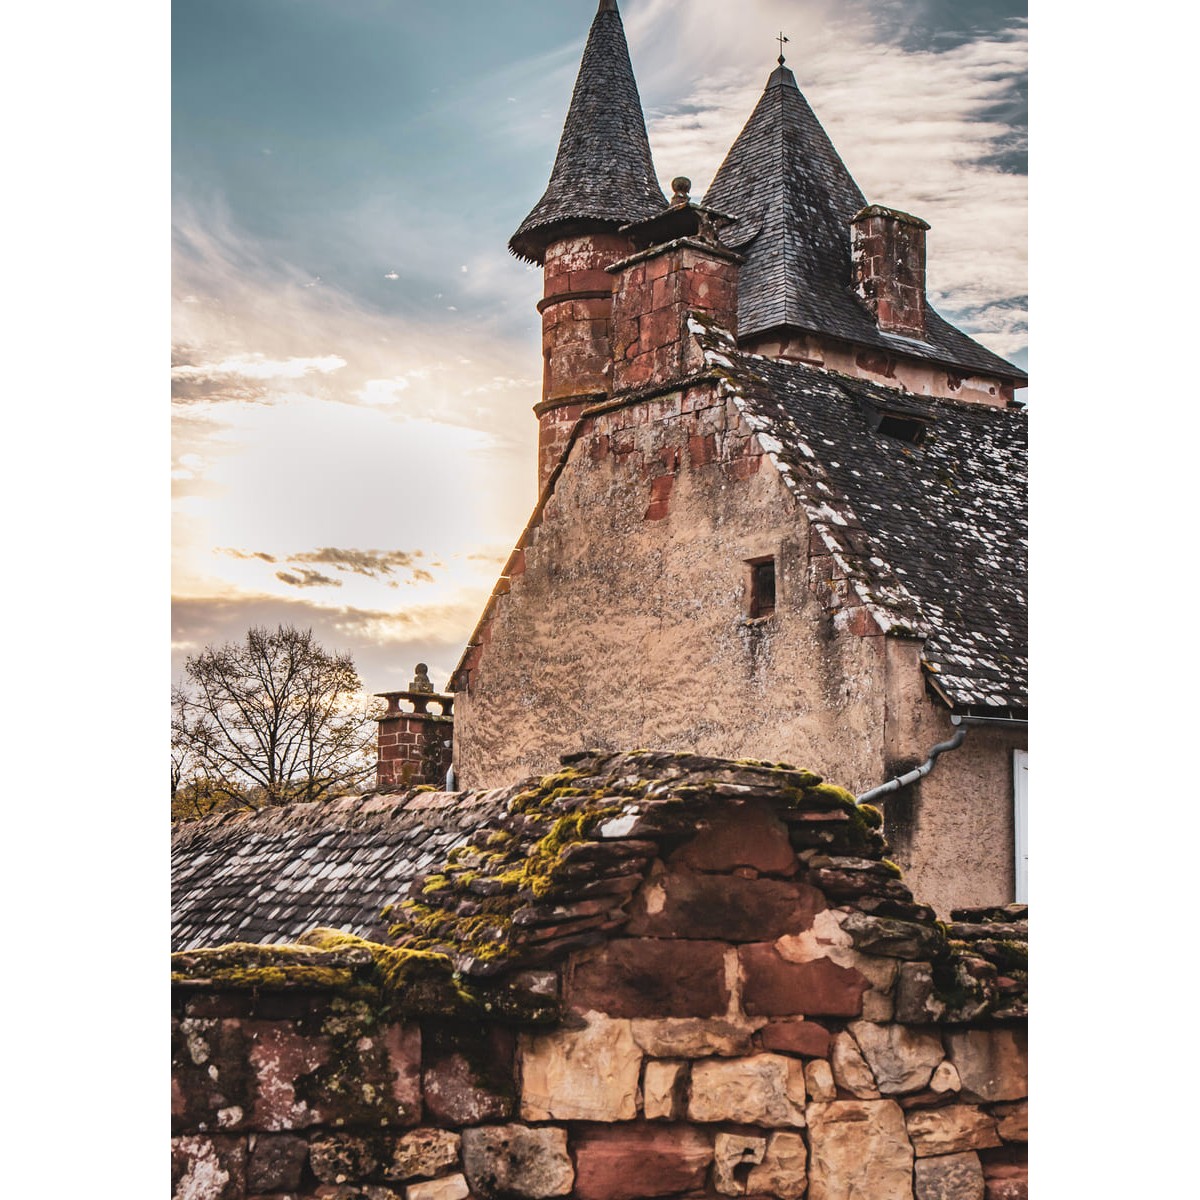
column 272, row 875
column 932, row 538
column 794, row 199
column 604, row 171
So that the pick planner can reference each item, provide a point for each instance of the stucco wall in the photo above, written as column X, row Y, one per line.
column 628, row 625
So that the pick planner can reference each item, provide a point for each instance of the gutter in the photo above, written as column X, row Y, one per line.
column 962, row 723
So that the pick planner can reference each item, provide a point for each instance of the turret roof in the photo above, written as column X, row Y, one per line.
column 604, row 171
column 794, row 199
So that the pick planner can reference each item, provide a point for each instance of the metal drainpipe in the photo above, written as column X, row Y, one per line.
column 963, row 723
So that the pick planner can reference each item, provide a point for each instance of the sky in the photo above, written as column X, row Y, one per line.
column 354, row 351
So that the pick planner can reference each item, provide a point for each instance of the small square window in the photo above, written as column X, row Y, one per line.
column 762, row 588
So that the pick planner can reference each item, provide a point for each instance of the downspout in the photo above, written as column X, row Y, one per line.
column 962, row 723
column 894, row 785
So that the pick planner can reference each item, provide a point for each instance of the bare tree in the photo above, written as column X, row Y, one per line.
column 270, row 720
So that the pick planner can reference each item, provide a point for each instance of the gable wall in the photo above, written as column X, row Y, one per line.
column 628, row 624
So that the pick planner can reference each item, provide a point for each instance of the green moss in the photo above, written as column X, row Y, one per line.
column 870, row 814
column 892, row 868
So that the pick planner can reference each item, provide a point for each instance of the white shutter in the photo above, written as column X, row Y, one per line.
column 1021, row 822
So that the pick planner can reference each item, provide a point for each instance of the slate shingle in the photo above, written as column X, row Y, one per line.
column 274, row 874
column 604, row 171
column 934, row 536
column 794, row 199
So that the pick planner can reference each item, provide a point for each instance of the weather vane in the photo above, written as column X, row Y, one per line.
column 781, row 40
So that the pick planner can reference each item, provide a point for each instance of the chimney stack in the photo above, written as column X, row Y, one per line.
column 888, row 261
column 415, row 746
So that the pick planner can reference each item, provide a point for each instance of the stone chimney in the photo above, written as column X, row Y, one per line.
column 888, row 261
column 680, row 267
column 415, row 746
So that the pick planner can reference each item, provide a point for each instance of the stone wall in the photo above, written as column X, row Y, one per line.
column 721, row 989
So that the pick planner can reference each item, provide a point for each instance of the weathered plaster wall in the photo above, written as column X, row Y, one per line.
column 627, row 624
column 896, row 369
column 746, row 1033
column 952, row 832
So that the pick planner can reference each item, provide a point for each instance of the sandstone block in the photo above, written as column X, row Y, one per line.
column 901, row 1059
column 818, row 1080
column 765, row 1089
column 850, row 1070
column 797, row 1037
column 949, row 1177
column 422, row 1153
column 735, row 1153
column 276, row 1163
column 204, row 1168
column 468, row 1075
column 892, row 937
column 588, row 1074
column 859, row 1148
column 682, row 1037
column 774, row 987
column 992, row 1063
column 689, row 904
column 1006, row 1181
column 663, row 1088
column 634, row 1162
column 784, row 1170
column 750, row 836
column 513, row 1160
column 951, row 1129
column 452, row 1187
column 281, row 1058
column 652, row 977
column 1012, row 1121
column 945, row 1078
column 341, row 1157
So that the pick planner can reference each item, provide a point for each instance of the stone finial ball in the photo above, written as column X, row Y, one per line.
column 422, row 669
column 681, row 185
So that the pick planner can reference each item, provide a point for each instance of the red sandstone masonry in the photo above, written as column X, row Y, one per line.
column 310, row 1095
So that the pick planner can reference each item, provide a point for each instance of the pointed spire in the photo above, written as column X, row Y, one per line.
column 604, row 174
column 793, row 198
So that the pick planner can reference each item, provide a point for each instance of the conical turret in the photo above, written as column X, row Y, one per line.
column 603, row 176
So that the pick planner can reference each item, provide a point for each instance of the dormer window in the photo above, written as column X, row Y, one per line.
column 897, row 420
column 762, row 587
column 907, row 429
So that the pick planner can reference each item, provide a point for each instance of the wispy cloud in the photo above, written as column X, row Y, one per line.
column 371, row 563
column 307, row 579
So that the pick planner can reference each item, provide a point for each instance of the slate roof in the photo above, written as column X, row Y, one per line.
column 794, row 199
column 933, row 537
column 604, row 171
column 272, row 875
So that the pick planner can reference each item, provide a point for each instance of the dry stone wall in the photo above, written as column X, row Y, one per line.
column 769, row 1016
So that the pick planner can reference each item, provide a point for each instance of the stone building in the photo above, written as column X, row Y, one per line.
column 781, row 521
column 782, row 503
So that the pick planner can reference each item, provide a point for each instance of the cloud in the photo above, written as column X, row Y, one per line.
column 247, row 554
column 371, row 563
column 307, row 579
column 384, row 643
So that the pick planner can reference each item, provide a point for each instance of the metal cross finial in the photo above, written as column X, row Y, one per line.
column 781, row 40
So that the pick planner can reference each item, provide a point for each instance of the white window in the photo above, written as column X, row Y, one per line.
column 1021, row 822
